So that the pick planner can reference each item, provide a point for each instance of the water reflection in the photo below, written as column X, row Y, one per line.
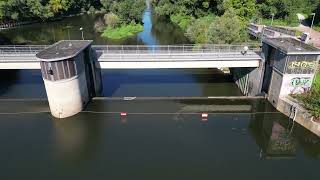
column 78, row 138
column 278, row 138
column 156, row 31
column 146, row 36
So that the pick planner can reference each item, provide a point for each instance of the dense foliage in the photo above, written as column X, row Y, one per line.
column 126, row 10
column 311, row 100
column 188, row 14
column 42, row 9
column 124, row 18
column 122, row 31
column 19, row 10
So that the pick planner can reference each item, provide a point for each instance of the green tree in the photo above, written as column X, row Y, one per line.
column 245, row 9
column 199, row 29
column 227, row 29
column 111, row 20
column 129, row 10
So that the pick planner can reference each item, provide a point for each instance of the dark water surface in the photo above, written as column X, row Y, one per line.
column 121, row 83
column 159, row 139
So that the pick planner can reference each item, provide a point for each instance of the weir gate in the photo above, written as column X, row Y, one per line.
column 72, row 77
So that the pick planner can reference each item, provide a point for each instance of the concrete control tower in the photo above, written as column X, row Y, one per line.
column 71, row 75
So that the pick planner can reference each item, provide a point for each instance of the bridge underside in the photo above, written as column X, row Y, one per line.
column 146, row 65
column 176, row 65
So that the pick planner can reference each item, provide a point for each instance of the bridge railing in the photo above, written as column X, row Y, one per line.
column 173, row 49
column 138, row 49
column 21, row 49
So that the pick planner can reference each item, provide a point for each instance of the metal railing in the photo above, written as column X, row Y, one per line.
column 142, row 51
column 173, row 49
column 282, row 30
column 21, row 49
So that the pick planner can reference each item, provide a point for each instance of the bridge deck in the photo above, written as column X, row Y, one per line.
column 143, row 57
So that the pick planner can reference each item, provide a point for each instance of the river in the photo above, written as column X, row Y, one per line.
column 159, row 139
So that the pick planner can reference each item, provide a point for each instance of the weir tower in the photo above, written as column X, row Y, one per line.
column 71, row 76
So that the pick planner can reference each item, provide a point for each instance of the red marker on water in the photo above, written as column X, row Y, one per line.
column 204, row 115
column 123, row 114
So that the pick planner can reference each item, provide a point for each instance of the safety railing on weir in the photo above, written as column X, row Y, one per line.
column 141, row 49
column 173, row 49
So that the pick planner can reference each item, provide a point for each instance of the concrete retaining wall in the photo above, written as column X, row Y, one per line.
column 291, row 108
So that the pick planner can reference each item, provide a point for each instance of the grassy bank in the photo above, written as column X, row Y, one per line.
column 123, row 31
column 311, row 100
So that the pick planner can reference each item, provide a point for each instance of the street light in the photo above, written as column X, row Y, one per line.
column 81, row 29
column 272, row 18
column 313, row 14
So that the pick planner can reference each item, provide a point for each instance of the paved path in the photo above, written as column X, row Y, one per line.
column 315, row 35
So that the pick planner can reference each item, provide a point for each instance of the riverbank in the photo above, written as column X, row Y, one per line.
column 124, row 31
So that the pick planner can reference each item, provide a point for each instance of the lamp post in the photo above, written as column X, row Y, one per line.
column 313, row 14
column 81, row 29
column 272, row 18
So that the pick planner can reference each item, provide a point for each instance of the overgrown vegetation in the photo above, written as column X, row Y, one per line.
column 119, row 13
column 190, row 15
column 279, row 22
column 311, row 99
column 124, row 18
column 24, row 10
column 122, row 31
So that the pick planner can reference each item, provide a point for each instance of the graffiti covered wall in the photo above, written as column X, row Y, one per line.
column 296, row 83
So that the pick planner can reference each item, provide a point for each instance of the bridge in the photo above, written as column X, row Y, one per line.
column 145, row 57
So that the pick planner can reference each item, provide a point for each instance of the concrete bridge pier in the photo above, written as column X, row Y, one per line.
column 71, row 75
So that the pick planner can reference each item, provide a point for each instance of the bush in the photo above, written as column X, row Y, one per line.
column 111, row 20
column 183, row 21
column 99, row 25
column 227, row 29
column 198, row 30
column 91, row 10
column 311, row 100
column 123, row 31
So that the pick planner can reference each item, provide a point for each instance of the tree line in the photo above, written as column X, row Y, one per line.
column 225, row 21
column 21, row 10
column 200, row 19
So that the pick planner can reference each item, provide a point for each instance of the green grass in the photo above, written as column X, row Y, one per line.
column 279, row 22
column 122, row 32
column 311, row 100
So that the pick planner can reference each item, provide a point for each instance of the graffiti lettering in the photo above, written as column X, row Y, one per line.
column 302, row 64
column 300, row 85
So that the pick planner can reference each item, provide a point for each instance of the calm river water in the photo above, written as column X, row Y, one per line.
column 159, row 139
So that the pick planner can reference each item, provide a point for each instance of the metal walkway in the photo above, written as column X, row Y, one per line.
column 144, row 57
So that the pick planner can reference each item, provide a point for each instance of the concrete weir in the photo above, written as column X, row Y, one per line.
column 71, row 76
column 283, row 66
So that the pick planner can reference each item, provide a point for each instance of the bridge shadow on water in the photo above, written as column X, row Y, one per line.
column 173, row 82
column 21, row 84
column 7, row 78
